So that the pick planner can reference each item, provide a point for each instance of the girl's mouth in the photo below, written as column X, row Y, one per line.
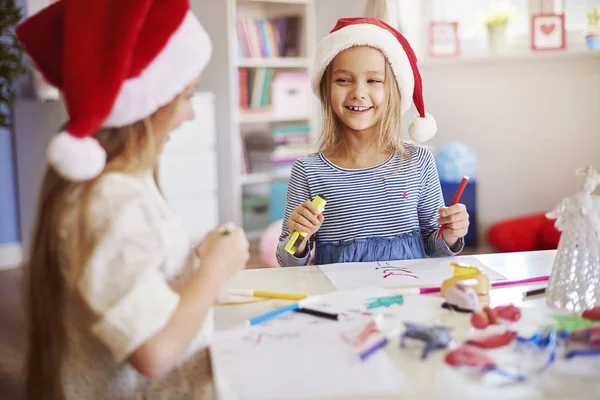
column 358, row 109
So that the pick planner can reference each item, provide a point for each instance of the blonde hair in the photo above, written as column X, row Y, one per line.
column 131, row 149
column 390, row 129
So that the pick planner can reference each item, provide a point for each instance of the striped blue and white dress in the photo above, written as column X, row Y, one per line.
column 382, row 213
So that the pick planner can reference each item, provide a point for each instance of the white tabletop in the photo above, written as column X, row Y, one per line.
column 431, row 379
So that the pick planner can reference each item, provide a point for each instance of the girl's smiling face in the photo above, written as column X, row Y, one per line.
column 358, row 87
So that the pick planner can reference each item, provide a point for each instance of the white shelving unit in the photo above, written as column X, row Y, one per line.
column 243, row 120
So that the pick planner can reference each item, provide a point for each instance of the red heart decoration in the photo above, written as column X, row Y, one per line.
column 547, row 29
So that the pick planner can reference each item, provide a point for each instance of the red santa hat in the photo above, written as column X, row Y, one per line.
column 115, row 62
column 351, row 32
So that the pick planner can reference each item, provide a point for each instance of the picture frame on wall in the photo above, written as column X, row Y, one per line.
column 548, row 32
column 443, row 39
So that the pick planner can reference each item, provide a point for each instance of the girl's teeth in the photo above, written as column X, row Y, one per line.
column 359, row 108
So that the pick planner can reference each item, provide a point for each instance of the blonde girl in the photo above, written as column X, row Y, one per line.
column 119, row 303
column 384, row 200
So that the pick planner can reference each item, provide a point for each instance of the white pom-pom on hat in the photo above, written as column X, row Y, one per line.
column 76, row 159
column 422, row 129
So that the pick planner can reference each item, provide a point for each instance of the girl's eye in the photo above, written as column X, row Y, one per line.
column 374, row 81
column 342, row 80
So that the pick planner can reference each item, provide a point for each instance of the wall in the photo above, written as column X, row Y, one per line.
column 531, row 123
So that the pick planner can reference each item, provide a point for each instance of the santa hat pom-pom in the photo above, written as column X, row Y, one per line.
column 422, row 129
column 76, row 159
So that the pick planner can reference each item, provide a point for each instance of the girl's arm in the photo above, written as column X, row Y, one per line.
column 139, row 317
column 297, row 193
column 430, row 202
column 159, row 354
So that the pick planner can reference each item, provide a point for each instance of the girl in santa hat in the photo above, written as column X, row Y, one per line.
column 384, row 199
column 115, row 293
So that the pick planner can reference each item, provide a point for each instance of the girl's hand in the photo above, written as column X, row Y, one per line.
column 456, row 219
column 224, row 254
column 305, row 218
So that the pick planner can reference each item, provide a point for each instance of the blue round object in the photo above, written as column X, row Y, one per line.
column 455, row 160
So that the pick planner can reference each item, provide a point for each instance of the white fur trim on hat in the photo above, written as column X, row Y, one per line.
column 422, row 129
column 366, row 35
column 76, row 159
column 180, row 62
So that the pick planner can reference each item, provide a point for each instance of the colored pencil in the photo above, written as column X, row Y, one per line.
column 271, row 314
column 455, row 200
column 535, row 292
column 437, row 289
column 270, row 295
column 379, row 344
column 317, row 313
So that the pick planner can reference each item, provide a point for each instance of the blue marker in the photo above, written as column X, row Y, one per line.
column 279, row 311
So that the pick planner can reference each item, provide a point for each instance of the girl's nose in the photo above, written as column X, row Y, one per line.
column 359, row 91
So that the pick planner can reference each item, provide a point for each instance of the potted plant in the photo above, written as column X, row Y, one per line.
column 592, row 37
column 495, row 19
column 11, row 53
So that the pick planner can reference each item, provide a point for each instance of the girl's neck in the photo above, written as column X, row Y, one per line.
column 360, row 150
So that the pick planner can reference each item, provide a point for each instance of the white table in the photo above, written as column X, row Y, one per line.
column 432, row 379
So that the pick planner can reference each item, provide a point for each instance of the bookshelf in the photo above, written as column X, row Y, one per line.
column 271, row 44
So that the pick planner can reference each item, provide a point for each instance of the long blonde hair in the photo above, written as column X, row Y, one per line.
column 131, row 149
column 390, row 129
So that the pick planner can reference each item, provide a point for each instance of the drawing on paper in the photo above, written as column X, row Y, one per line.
column 260, row 337
column 390, row 270
column 384, row 301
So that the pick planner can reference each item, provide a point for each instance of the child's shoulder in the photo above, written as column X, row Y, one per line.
column 420, row 155
column 309, row 162
column 117, row 190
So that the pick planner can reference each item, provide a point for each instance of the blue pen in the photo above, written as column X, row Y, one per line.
column 279, row 311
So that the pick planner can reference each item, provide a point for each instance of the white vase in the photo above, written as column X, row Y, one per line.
column 497, row 38
column 574, row 283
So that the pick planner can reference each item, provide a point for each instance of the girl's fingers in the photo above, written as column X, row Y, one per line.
column 311, row 207
column 301, row 220
column 306, row 213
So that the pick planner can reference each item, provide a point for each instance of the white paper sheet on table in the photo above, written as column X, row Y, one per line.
column 396, row 274
column 299, row 363
column 358, row 304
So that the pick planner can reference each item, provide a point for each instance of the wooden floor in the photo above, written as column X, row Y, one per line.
column 12, row 326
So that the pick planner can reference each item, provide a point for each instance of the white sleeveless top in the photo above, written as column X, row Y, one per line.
column 126, row 293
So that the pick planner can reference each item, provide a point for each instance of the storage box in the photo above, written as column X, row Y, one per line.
column 291, row 94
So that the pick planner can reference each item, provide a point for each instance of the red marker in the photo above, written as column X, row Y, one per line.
column 455, row 200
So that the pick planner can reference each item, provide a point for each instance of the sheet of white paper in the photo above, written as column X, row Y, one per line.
column 299, row 363
column 396, row 274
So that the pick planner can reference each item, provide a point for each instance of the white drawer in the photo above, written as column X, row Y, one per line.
column 199, row 214
column 198, row 133
column 190, row 173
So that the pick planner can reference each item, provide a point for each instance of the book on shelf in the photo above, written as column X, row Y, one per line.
column 276, row 151
column 268, row 37
column 255, row 88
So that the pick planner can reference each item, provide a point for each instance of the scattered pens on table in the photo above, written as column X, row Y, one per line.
column 455, row 200
column 317, row 313
column 271, row 314
column 270, row 295
column 535, row 292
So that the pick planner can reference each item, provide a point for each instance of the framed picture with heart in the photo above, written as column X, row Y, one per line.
column 548, row 32
column 443, row 39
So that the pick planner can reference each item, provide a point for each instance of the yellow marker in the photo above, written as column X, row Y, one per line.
column 298, row 236
column 463, row 272
column 270, row 295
